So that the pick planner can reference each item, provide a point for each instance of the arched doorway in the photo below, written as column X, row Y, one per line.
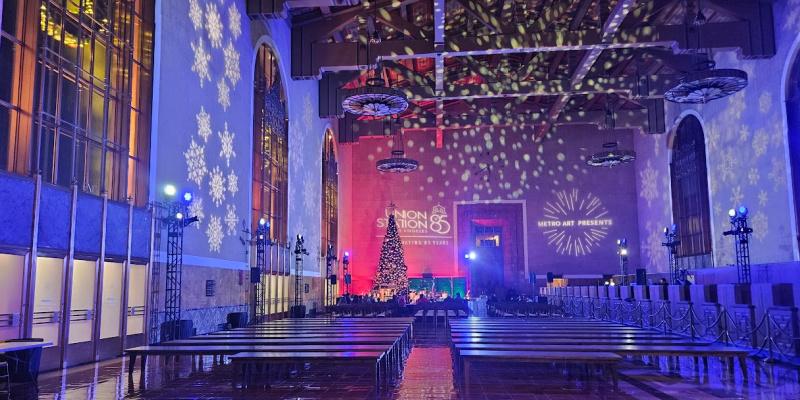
column 330, row 210
column 690, row 204
column 270, row 180
column 793, row 123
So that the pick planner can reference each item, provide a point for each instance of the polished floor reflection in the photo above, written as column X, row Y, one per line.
column 428, row 375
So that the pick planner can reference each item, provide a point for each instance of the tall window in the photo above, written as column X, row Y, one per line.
column 75, row 98
column 271, row 151
column 690, row 209
column 18, row 27
column 330, row 194
column 793, row 122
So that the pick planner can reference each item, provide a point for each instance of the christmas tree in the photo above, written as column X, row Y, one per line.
column 392, row 271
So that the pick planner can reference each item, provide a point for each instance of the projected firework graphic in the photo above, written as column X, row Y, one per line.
column 574, row 223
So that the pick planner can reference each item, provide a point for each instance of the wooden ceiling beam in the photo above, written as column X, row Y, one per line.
column 479, row 11
column 394, row 19
column 310, row 59
column 580, row 14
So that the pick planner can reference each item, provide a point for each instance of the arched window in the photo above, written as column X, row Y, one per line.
column 690, row 209
column 330, row 206
column 270, row 178
column 330, row 193
column 793, row 122
column 270, row 147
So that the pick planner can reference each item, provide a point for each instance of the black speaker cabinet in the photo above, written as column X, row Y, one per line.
column 641, row 276
column 255, row 275
column 297, row 311
column 332, row 278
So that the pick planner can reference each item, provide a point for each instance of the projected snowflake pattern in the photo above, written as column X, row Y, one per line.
column 202, row 58
column 203, row 124
column 196, row 210
column 231, row 219
column 196, row 14
column 195, row 163
column 216, row 186
column 652, row 248
column 233, row 183
column 760, row 225
column 223, row 94
column 234, row 21
column 231, row 63
column 214, row 233
column 226, row 145
column 576, row 239
column 649, row 179
column 213, row 25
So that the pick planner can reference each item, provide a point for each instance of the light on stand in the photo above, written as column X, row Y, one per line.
column 622, row 251
column 170, row 190
column 187, row 197
column 741, row 232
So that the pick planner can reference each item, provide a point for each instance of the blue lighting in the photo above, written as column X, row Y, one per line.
column 170, row 190
column 187, row 197
column 742, row 211
column 470, row 256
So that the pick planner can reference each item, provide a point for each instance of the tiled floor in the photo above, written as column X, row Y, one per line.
column 428, row 375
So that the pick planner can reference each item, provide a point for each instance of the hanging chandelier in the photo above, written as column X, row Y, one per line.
column 705, row 83
column 398, row 162
column 611, row 156
column 375, row 100
column 700, row 87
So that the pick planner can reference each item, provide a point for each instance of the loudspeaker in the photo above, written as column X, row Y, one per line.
column 550, row 277
column 332, row 278
column 255, row 275
column 297, row 311
column 348, row 279
column 641, row 276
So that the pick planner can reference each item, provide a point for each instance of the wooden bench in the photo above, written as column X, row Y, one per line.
column 250, row 361
column 606, row 360
column 686, row 350
column 23, row 358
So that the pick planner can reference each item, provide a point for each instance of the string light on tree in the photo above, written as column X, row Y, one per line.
column 392, row 271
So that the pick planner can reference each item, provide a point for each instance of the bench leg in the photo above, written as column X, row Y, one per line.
column 743, row 365
column 131, row 363
column 465, row 373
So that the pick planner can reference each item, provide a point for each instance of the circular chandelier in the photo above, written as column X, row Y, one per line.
column 700, row 87
column 397, row 163
column 611, row 156
column 375, row 100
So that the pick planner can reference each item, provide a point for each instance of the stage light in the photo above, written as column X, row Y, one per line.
column 612, row 283
column 187, row 197
column 472, row 255
column 666, row 230
column 623, row 252
column 170, row 190
column 262, row 221
column 347, row 254
column 179, row 215
column 674, row 228
column 742, row 211
column 731, row 213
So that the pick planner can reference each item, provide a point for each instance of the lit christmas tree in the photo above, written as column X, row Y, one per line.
column 392, row 271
